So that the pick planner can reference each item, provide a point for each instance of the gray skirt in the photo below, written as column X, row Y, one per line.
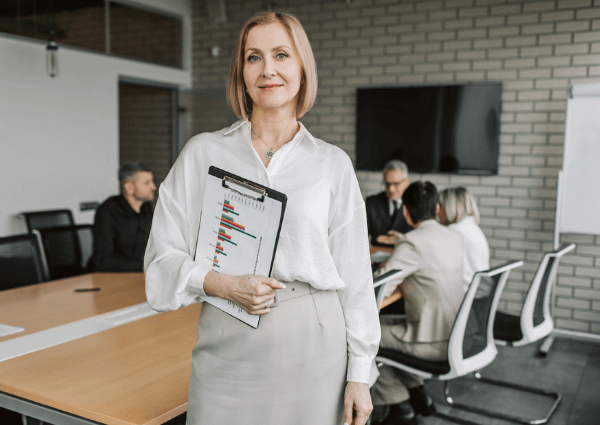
column 291, row 370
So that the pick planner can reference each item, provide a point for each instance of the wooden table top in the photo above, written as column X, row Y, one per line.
column 391, row 299
column 51, row 304
column 396, row 295
column 134, row 374
column 374, row 248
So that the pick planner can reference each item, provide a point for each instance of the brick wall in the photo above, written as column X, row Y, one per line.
column 146, row 127
column 536, row 48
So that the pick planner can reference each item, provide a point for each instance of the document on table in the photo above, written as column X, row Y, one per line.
column 239, row 230
column 9, row 330
column 380, row 256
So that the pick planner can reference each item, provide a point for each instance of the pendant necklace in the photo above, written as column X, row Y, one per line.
column 269, row 154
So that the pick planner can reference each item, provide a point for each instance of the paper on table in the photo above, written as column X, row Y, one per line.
column 9, row 330
column 237, row 236
column 379, row 256
column 51, row 337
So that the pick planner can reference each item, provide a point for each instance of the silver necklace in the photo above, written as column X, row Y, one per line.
column 269, row 154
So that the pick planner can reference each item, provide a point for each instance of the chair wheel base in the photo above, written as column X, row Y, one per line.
column 526, row 421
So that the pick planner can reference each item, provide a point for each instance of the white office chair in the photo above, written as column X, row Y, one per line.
column 379, row 285
column 471, row 343
column 534, row 323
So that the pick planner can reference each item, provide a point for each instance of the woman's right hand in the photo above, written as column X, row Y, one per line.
column 252, row 293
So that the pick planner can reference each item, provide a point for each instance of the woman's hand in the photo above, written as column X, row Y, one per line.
column 357, row 398
column 252, row 293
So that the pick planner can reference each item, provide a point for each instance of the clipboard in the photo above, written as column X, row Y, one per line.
column 239, row 231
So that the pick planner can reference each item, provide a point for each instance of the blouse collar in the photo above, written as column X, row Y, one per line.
column 246, row 123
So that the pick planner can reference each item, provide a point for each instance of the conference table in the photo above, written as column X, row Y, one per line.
column 376, row 256
column 94, row 356
column 91, row 351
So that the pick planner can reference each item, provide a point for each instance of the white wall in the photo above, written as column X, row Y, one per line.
column 59, row 137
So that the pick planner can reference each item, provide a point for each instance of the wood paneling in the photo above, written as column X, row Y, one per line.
column 146, row 127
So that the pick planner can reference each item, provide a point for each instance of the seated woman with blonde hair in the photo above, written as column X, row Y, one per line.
column 459, row 212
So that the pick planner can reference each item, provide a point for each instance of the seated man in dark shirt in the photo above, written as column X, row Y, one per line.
column 384, row 210
column 122, row 223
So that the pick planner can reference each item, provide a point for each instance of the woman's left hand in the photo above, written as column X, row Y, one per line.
column 357, row 398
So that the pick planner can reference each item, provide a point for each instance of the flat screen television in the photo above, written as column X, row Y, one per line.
column 434, row 129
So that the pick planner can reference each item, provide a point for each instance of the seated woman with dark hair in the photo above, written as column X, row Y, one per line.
column 430, row 258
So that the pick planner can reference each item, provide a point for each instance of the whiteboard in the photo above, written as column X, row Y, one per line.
column 579, row 202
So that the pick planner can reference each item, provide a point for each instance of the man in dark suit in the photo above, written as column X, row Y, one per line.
column 384, row 210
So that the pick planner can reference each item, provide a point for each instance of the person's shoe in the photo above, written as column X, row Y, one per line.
column 400, row 414
column 421, row 402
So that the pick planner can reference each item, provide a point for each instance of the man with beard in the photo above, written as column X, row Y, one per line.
column 122, row 223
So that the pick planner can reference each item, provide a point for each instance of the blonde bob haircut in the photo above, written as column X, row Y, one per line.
column 458, row 202
column 237, row 96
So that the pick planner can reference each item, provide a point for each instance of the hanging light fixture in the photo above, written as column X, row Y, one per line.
column 52, row 56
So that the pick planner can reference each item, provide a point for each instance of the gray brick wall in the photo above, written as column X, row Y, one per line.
column 537, row 48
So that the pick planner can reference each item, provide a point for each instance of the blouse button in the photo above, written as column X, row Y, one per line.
column 293, row 289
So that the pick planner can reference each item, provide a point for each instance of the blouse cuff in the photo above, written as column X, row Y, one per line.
column 359, row 369
column 195, row 285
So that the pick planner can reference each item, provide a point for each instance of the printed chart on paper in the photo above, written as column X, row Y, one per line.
column 237, row 236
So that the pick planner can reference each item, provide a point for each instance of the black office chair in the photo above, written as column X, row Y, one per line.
column 47, row 218
column 471, row 343
column 22, row 261
column 67, row 249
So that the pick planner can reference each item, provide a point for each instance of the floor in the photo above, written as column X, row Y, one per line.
column 571, row 368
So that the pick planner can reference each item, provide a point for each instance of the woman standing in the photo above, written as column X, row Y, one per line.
column 325, row 330
column 459, row 212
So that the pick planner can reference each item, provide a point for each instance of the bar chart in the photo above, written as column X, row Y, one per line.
column 237, row 236
column 240, row 221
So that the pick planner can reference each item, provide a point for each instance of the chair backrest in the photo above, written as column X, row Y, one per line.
column 48, row 218
column 536, row 318
column 380, row 283
column 22, row 261
column 67, row 249
column 471, row 344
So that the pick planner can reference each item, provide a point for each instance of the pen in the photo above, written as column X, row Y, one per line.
column 87, row 289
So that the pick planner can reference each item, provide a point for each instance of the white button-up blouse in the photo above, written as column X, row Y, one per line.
column 476, row 251
column 323, row 239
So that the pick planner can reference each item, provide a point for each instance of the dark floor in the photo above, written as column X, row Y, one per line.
column 571, row 368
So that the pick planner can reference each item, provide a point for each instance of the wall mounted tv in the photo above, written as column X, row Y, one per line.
column 434, row 129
